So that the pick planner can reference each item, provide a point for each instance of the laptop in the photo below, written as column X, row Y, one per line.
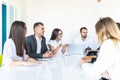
column 92, row 53
column 75, row 49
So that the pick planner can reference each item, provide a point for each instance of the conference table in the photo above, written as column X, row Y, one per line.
column 62, row 67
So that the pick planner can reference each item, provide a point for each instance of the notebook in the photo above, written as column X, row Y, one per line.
column 75, row 49
column 43, row 59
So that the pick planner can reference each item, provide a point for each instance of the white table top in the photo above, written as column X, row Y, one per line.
column 57, row 68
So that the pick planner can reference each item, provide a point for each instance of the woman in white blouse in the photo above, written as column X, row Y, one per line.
column 55, row 44
column 108, row 62
column 15, row 52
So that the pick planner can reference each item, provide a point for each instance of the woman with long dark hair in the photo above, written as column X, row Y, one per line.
column 15, row 51
column 56, row 45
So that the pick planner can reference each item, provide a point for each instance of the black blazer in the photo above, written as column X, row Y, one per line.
column 31, row 44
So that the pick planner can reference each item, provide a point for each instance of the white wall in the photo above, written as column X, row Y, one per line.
column 70, row 15
column 20, row 6
column 20, row 11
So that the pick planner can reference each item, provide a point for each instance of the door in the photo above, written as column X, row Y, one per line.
column 4, row 24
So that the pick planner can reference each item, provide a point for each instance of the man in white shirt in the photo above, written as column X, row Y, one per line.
column 83, row 40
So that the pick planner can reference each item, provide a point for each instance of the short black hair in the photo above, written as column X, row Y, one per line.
column 118, row 24
column 37, row 23
column 82, row 28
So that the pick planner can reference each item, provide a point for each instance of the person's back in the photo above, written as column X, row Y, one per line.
column 15, row 52
column 107, row 64
column 116, row 71
column 112, row 60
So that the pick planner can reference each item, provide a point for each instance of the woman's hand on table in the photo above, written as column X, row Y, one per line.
column 86, row 59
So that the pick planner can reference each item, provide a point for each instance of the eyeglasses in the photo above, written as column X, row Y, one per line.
column 60, row 33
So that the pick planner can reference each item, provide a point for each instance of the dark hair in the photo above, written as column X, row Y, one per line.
column 82, row 28
column 17, row 34
column 55, row 33
column 118, row 24
column 37, row 23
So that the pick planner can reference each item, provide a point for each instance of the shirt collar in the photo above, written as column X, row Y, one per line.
column 38, row 38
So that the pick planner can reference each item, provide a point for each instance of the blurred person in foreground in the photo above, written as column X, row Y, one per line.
column 107, row 64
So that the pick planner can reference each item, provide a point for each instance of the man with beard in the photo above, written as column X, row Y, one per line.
column 84, row 40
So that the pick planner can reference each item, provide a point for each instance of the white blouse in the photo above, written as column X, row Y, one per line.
column 108, row 60
column 86, row 43
column 9, row 53
column 55, row 44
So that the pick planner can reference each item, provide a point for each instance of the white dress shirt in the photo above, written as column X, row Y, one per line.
column 38, row 44
column 108, row 60
column 55, row 44
column 9, row 53
column 86, row 43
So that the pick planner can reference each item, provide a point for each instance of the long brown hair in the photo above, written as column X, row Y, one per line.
column 17, row 34
column 54, row 34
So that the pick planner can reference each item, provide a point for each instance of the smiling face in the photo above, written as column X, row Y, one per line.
column 39, row 30
column 60, row 34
